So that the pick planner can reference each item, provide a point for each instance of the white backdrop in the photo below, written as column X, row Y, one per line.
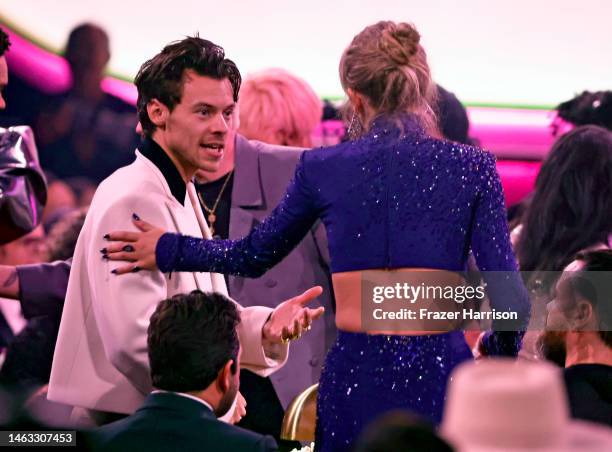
column 521, row 52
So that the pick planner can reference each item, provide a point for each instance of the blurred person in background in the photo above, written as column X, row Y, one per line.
column 277, row 107
column 86, row 132
column 60, row 199
column 401, row 431
column 27, row 366
column 571, row 207
column 84, row 190
column 63, row 235
column 570, row 211
column 587, row 108
column 502, row 405
column 453, row 118
column 29, row 356
column 29, row 249
column 332, row 128
column 40, row 288
column 65, row 196
column 579, row 334
column 24, row 196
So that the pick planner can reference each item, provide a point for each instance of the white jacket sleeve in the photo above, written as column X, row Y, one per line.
column 262, row 359
column 125, row 303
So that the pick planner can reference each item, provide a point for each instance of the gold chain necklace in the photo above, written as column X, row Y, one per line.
column 211, row 211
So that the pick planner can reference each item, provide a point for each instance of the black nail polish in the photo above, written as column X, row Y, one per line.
column 103, row 251
column 135, row 217
column 136, row 269
column 128, row 248
column 106, row 237
column 114, row 272
column 105, row 257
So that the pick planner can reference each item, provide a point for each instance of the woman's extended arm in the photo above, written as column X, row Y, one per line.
column 494, row 256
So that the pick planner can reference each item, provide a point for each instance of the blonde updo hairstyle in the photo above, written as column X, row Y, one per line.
column 387, row 64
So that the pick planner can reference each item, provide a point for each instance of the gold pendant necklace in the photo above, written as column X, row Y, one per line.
column 211, row 211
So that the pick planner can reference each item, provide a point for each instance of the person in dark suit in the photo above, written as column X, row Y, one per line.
column 85, row 132
column 194, row 355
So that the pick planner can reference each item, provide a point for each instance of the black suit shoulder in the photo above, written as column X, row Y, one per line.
column 243, row 439
column 589, row 390
column 166, row 432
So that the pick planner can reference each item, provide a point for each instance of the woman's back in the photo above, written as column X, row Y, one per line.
column 391, row 201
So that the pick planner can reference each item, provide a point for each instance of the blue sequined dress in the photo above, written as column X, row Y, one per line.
column 395, row 198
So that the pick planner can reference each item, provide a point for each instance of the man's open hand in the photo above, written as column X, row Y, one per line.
column 292, row 317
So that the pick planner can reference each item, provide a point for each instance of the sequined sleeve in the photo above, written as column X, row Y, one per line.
column 493, row 253
column 266, row 245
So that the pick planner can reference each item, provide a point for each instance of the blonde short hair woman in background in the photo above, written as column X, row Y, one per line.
column 277, row 107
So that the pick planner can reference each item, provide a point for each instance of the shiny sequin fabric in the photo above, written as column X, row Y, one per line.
column 395, row 198
column 367, row 375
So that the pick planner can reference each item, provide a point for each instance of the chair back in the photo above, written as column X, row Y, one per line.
column 301, row 416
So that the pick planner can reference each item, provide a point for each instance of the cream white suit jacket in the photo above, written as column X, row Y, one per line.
column 100, row 359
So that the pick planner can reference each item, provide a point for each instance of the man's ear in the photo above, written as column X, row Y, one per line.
column 158, row 113
column 582, row 316
column 224, row 378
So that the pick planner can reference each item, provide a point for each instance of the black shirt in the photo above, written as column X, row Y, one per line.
column 589, row 388
column 208, row 193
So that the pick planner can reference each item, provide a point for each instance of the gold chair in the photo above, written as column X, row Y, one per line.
column 301, row 416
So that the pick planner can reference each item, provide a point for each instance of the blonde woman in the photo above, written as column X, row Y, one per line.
column 277, row 107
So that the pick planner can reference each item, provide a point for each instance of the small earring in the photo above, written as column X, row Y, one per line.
column 355, row 128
